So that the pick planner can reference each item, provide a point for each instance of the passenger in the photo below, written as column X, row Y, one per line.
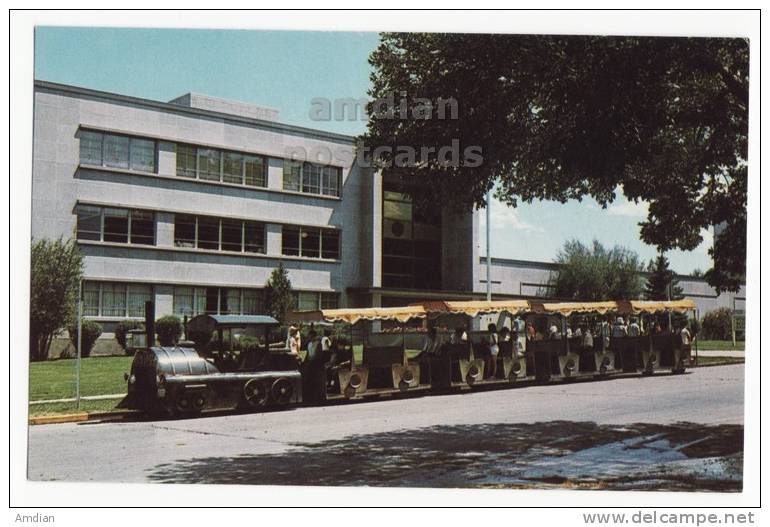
column 531, row 332
column 428, row 344
column 619, row 328
column 294, row 342
column 326, row 345
column 312, row 346
column 633, row 329
column 505, row 334
column 289, row 334
column 459, row 336
column 587, row 340
column 578, row 333
column 553, row 332
column 569, row 332
column 494, row 349
column 605, row 331
column 684, row 333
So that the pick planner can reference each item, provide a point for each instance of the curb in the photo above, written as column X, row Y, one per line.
column 726, row 363
column 77, row 417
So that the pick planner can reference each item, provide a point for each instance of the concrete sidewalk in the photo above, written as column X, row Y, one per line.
column 733, row 354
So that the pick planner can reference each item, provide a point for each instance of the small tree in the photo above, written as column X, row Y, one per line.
column 278, row 297
column 168, row 329
column 662, row 281
column 56, row 270
column 717, row 324
column 595, row 273
column 91, row 332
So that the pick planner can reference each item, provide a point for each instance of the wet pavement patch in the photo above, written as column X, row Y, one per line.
column 557, row 454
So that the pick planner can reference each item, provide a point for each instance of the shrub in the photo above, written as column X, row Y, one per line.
column 168, row 329
column 91, row 331
column 122, row 329
column 717, row 324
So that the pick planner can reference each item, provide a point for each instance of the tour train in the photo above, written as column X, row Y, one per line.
column 243, row 361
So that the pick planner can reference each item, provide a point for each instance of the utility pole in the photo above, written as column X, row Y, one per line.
column 80, row 345
column 489, row 252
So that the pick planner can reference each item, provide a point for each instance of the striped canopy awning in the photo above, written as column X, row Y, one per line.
column 353, row 315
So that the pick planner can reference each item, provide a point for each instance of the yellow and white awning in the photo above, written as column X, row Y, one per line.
column 353, row 315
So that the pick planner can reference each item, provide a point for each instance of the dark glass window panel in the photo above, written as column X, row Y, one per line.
column 137, row 295
column 91, row 299
column 212, row 300
column 254, row 237
column 330, row 301
column 255, row 171
column 307, row 301
column 116, row 225
column 89, row 223
column 396, row 265
column 90, row 148
column 396, row 247
column 330, row 245
column 230, row 301
column 184, row 230
column 252, row 301
column 184, row 301
column 330, row 181
column 116, row 151
column 290, row 241
column 113, row 300
column 397, row 229
column 232, row 235
column 209, row 164
column 397, row 281
column 292, row 174
column 311, row 178
column 142, row 227
column 186, row 161
column 208, row 233
column 142, row 155
column 426, row 249
column 397, row 210
column 311, row 243
column 232, row 168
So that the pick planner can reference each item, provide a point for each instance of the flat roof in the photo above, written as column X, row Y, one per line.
column 198, row 112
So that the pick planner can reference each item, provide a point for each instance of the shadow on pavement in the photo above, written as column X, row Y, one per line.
column 559, row 454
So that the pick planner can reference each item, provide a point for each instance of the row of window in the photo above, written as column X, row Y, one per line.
column 108, row 224
column 121, row 300
column 310, row 178
column 206, row 164
column 219, row 234
column 117, row 151
column 115, row 299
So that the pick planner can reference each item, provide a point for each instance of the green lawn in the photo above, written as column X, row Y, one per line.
column 55, row 379
column 720, row 345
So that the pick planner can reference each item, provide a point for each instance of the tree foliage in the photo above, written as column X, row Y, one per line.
column 718, row 324
column 278, row 297
column 594, row 273
column 92, row 330
column 564, row 117
column 56, row 270
column 169, row 330
column 660, row 279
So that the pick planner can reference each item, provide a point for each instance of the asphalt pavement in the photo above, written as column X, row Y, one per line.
column 682, row 432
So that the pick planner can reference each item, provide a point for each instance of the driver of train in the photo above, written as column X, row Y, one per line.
column 494, row 349
column 633, row 328
column 619, row 328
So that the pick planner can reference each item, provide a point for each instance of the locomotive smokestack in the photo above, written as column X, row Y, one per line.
column 149, row 322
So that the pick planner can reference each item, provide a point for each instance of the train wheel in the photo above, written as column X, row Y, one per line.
column 282, row 390
column 255, row 393
column 187, row 405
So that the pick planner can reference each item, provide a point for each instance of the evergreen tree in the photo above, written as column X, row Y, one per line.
column 278, row 297
column 659, row 280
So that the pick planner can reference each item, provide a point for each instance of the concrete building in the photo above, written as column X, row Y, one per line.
column 193, row 202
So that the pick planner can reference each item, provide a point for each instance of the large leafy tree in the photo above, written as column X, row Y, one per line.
column 278, row 296
column 563, row 117
column 595, row 273
column 56, row 270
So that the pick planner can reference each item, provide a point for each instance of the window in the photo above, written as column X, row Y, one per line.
column 253, row 237
column 310, row 242
column 232, row 168
column 89, row 225
column 117, row 151
column 209, row 164
column 115, row 299
column 255, row 171
column 137, row 296
column 186, row 161
column 232, row 235
column 312, row 300
column 292, row 175
column 208, row 233
column 115, row 225
column 142, row 227
column 311, row 178
column 224, row 234
column 142, row 155
column 193, row 301
column 90, row 148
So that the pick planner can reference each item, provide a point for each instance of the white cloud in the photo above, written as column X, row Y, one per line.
column 505, row 217
column 623, row 207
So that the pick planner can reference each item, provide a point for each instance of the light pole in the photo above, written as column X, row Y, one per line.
column 80, row 345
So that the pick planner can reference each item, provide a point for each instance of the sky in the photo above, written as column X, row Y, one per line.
column 286, row 70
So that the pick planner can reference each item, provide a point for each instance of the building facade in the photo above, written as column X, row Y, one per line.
column 193, row 202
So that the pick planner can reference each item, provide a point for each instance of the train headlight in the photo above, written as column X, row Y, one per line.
column 408, row 377
column 132, row 379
